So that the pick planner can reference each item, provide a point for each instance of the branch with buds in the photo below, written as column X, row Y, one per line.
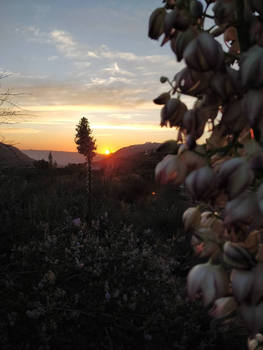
column 224, row 173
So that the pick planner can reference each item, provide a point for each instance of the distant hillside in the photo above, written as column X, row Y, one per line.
column 135, row 149
column 11, row 157
column 62, row 158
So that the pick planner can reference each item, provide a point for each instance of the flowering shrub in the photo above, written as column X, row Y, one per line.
column 119, row 283
column 224, row 173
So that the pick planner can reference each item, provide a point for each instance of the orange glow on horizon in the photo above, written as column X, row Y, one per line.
column 107, row 152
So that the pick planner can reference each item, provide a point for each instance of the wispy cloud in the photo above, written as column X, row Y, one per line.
column 19, row 131
column 71, row 48
column 52, row 58
column 116, row 70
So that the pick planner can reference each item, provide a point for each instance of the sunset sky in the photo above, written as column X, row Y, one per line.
column 70, row 59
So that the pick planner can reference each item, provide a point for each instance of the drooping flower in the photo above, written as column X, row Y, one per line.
column 247, row 285
column 223, row 307
column 155, row 27
column 237, row 256
column 243, row 208
column 191, row 218
column 235, row 175
column 210, row 280
column 251, row 67
column 182, row 39
column 252, row 316
column 172, row 112
column 201, row 183
column 204, row 53
column 170, row 169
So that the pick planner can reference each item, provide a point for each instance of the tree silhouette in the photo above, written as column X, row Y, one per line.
column 50, row 159
column 86, row 145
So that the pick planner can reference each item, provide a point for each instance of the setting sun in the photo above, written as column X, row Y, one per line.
column 107, row 151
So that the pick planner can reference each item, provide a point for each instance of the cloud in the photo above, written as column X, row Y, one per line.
column 67, row 45
column 139, row 127
column 34, row 34
column 115, row 69
column 62, row 38
column 82, row 65
column 52, row 58
column 97, row 77
column 19, row 131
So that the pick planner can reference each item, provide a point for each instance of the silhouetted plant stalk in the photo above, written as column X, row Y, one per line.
column 225, row 173
column 86, row 145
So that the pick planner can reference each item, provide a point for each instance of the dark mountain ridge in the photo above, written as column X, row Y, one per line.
column 63, row 158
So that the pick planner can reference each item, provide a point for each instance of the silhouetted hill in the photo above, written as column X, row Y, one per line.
column 62, row 158
column 12, row 157
column 135, row 149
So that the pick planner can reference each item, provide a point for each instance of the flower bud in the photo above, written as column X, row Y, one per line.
column 194, row 123
column 209, row 242
column 224, row 12
column 253, row 344
column 216, row 225
column 251, row 68
column 237, row 257
column 235, row 175
column 242, row 208
column 223, row 307
column 172, row 113
column 163, row 79
column 155, row 27
column 201, row 183
column 196, row 9
column 191, row 218
column 204, row 53
column 181, row 41
column 252, row 316
column 210, row 280
column 162, row 99
column 222, row 86
column 233, row 118
column 191, row 160
column 175, row 20
column 191, row 83
column 259, row 337
column 170, row 169
column 247, row 285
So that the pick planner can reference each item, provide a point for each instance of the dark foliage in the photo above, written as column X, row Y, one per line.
column 116, row 284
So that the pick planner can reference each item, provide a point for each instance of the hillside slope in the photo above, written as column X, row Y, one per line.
column 135, row 149
column 11, row 157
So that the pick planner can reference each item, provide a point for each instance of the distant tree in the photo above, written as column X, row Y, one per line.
column 50, row 160
column 86, row 145
column 41, row 164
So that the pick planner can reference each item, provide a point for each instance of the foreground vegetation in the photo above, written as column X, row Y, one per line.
column 117, row 283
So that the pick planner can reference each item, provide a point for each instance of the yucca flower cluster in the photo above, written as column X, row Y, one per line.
column 221, row 44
